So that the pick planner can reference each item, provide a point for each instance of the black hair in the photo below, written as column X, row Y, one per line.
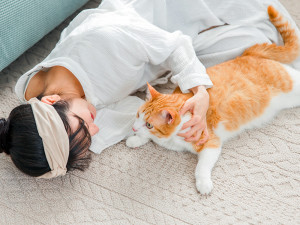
column 20, row 139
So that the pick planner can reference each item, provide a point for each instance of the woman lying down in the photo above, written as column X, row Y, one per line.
column 78, row 96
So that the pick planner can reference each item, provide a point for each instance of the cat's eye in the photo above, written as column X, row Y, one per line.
column 148, row 125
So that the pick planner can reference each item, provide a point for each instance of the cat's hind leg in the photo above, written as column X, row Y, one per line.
column 207, row 158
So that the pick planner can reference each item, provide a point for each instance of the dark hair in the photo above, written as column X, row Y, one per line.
column 20, row 139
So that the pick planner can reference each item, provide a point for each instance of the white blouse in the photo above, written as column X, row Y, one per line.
column 115, row 49
column 113, row 52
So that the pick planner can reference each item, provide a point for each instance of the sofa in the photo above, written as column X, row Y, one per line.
column 25, row 22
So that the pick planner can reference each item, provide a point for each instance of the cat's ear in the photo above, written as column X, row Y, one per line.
column 168, row 115
column 151, row 93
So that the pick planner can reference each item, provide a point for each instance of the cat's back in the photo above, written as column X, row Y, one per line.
column 250, row 71
column 243, row 87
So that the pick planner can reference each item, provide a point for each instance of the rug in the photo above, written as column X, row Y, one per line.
column 256, row 180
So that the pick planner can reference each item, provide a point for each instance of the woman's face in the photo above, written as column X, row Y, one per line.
column 85, row 111
column 78, row 107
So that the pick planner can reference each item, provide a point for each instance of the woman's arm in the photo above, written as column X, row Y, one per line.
column 173, row 51
column 190, row 75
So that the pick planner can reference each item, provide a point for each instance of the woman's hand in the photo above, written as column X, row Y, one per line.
column 198, row 106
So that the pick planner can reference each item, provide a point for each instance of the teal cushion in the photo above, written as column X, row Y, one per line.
column 24, row 22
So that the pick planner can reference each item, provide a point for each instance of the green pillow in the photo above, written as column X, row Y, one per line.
column 25, row 22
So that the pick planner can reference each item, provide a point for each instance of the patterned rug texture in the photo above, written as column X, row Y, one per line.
column 256, row 180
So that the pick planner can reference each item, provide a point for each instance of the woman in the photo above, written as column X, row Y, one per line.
column 103, row 56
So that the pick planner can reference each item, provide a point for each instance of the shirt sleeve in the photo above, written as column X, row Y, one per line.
column 173, row 51
column 188, row 71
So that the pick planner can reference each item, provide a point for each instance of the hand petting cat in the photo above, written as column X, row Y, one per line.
column 198, row 106
column 247, row 106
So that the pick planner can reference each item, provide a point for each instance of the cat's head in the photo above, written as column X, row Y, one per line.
column 159, row 115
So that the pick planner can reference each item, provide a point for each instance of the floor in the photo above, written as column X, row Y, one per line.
column 256, row 180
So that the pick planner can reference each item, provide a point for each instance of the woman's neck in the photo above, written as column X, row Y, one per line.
column 57, row 80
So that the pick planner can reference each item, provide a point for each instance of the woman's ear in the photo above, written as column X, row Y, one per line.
column 50, row 99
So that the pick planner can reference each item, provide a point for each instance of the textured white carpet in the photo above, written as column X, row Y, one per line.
column 256, row 180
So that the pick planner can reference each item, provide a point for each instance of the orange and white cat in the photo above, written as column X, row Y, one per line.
column 247, row 92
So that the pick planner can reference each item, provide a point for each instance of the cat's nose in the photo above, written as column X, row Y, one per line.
column 134, row 130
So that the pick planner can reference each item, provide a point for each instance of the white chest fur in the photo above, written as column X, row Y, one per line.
column 173, row 142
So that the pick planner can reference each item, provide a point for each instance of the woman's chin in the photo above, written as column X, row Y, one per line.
column 97, row 130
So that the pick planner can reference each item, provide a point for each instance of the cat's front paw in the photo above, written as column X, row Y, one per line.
column 135, row 141
column 204, row 185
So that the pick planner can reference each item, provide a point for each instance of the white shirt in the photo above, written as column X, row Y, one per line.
column 115, row 49
column 113, row 53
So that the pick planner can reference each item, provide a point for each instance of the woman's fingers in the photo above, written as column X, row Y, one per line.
column 186, row 107
column 195, row 133
column 195, row 137
column 204, row 138
column 196, row 125
column 192, row 122
column 191, row 132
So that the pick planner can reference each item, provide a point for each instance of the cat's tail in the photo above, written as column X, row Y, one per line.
column 286, row 53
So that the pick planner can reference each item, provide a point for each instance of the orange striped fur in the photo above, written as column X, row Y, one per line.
column 242, row 89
